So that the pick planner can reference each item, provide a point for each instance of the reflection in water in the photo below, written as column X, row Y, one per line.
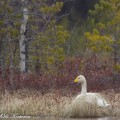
column 51, row 118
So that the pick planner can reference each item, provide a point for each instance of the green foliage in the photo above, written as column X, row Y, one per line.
column 14, row 32
column 117, row 67
column 105, row 35
column 50, row 60
column 1, row 22
column 9, row 31
column 52, row 9
column 98, row 42
column 48, row 47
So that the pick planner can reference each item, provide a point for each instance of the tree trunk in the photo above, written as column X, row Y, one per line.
column 23, row 39
column 11, row 66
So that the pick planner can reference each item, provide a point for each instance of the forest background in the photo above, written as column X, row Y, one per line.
column 45, row 44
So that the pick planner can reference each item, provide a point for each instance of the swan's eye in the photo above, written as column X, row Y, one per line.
column 78, row 79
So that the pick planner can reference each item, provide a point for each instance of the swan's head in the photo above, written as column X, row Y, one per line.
column 80, row 79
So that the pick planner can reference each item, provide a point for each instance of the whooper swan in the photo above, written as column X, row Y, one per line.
column 88, row 104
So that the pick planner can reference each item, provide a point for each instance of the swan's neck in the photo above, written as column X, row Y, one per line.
column 84, row 87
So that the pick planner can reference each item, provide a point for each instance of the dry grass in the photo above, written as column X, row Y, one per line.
column 114, row 99
column 32, row 103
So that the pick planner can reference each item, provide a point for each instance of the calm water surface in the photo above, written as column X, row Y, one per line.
column 106, row 118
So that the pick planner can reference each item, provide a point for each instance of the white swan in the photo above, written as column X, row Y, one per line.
column 87, row 104
column 101, row 102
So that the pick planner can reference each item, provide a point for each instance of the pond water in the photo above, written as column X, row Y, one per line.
column 50, row 118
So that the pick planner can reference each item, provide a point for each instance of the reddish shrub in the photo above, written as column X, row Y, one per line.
column 99, row 77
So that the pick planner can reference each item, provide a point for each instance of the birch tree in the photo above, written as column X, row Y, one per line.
column 23, row 39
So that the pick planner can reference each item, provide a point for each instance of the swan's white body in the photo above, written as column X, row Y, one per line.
column 87, row 104
column 90, row 97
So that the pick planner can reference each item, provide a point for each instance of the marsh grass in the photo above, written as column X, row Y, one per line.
column 33, row 104
column 53, row 104
column 116, row 112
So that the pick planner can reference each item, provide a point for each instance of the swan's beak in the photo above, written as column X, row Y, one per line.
column 76, row 80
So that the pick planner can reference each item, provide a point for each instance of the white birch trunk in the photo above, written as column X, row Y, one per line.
column 23, row 39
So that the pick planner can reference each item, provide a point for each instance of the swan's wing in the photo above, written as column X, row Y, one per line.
column 100, row 101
